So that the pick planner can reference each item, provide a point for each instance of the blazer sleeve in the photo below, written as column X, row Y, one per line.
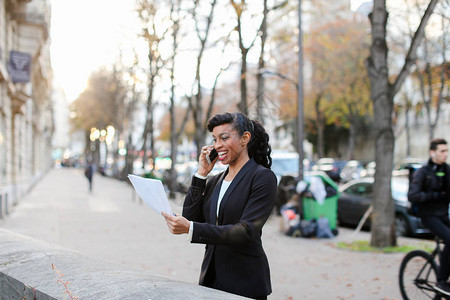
column 193, row 203
column 250, row 221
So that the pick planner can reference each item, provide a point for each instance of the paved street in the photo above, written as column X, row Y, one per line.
column 112, row 224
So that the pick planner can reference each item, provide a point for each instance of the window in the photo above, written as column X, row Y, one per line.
column 2, row 148
column 363, row 189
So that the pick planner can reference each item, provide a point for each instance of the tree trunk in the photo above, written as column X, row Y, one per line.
column 152, row 155
column 261, row 65
column 382, row 222
column 173, row 184
column 407, row 129
column 351, row 141
column 148, row 127
column 129, row 157
column 87, row 146
column 197, row 106
column 428, row 85
column 320, row 119
column 243, row 106
column 382, row 94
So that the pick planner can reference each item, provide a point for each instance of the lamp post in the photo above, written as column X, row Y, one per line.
column 299, row 88
column 300, row 127
column 300, row 116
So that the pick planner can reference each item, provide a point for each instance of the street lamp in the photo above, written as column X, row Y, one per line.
column 299, row 87
column 300, row 116
column 300, row 127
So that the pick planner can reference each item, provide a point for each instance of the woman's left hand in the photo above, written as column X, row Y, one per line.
column 177, row 224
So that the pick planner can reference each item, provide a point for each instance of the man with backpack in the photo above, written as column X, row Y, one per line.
column 429, row 193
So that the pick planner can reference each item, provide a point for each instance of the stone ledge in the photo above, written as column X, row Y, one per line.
column 26, row 273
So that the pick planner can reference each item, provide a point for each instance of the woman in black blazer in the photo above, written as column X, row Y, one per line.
column 228, row 211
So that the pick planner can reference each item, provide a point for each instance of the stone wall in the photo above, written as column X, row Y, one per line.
column 32, row 269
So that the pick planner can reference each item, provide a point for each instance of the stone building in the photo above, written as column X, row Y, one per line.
column 26, row 113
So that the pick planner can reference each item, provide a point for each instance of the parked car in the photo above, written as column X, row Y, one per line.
column 403, row 168
column 331, row 167
column 285, row 163
column 369, row 170
column 407, row 166
column 356, row 197
column 185, row 171
column 351, row 170
column 285, row 167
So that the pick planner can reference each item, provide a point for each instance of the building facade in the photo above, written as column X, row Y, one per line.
column 26, row 111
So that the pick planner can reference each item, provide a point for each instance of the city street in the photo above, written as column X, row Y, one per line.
column 112, row 224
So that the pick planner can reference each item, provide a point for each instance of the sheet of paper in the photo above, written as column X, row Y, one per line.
column 151, row 192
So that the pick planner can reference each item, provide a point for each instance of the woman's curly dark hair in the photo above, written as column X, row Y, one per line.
column 258, row 148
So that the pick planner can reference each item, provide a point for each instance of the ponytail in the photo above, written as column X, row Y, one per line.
column 259, row 148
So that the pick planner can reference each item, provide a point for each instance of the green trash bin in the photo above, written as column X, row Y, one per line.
column 313, row 209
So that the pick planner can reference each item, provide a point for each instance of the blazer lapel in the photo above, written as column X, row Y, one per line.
column 215, row 198
column 248, row 166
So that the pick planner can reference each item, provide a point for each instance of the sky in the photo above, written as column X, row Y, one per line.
column 88, row 34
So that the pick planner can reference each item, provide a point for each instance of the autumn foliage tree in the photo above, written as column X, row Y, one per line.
column 338, row 90
column 350, row 106
column 433, row 67
column 100, row 104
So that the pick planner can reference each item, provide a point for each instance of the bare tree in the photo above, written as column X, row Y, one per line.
column 176, row 18
column 382, row 95
column 261, row 61
column 240, row 8
column 196, row 103
column 153, row 34
column 404, row 108
column 261, row 66
column 431, row 73
column 130, row 106
column 213, row 91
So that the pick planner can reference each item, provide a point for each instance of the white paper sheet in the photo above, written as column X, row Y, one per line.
column 151, row 192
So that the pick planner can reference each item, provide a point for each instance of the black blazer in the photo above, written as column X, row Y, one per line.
column 234, row 242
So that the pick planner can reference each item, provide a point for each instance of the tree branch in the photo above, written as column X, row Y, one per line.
column 411, row 56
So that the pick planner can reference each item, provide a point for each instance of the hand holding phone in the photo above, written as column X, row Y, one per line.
column 212, row 156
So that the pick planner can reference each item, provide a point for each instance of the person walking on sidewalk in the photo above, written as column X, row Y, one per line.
column 228, row 211
column 429, row 193
column 89, row 173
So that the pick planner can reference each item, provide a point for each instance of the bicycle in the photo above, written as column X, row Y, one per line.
column 418, row 273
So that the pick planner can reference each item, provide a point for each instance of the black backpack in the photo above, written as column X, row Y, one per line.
column 413, row 207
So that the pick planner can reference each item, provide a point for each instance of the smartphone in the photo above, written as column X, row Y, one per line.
column 212, row 156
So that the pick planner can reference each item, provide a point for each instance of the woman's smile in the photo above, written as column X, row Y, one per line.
column 222, row 155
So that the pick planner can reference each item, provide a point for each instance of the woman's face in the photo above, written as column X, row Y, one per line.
column 229, row 144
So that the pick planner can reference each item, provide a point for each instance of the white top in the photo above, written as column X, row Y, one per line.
column 224, row 187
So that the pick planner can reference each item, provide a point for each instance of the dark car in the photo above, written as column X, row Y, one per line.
column 407, row 166
column 331, row 167
column 351, row 170
column 356, row 197
column 369, row 169
column 285, row 167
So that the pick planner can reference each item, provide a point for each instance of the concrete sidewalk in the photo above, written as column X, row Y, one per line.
column 112, row 224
